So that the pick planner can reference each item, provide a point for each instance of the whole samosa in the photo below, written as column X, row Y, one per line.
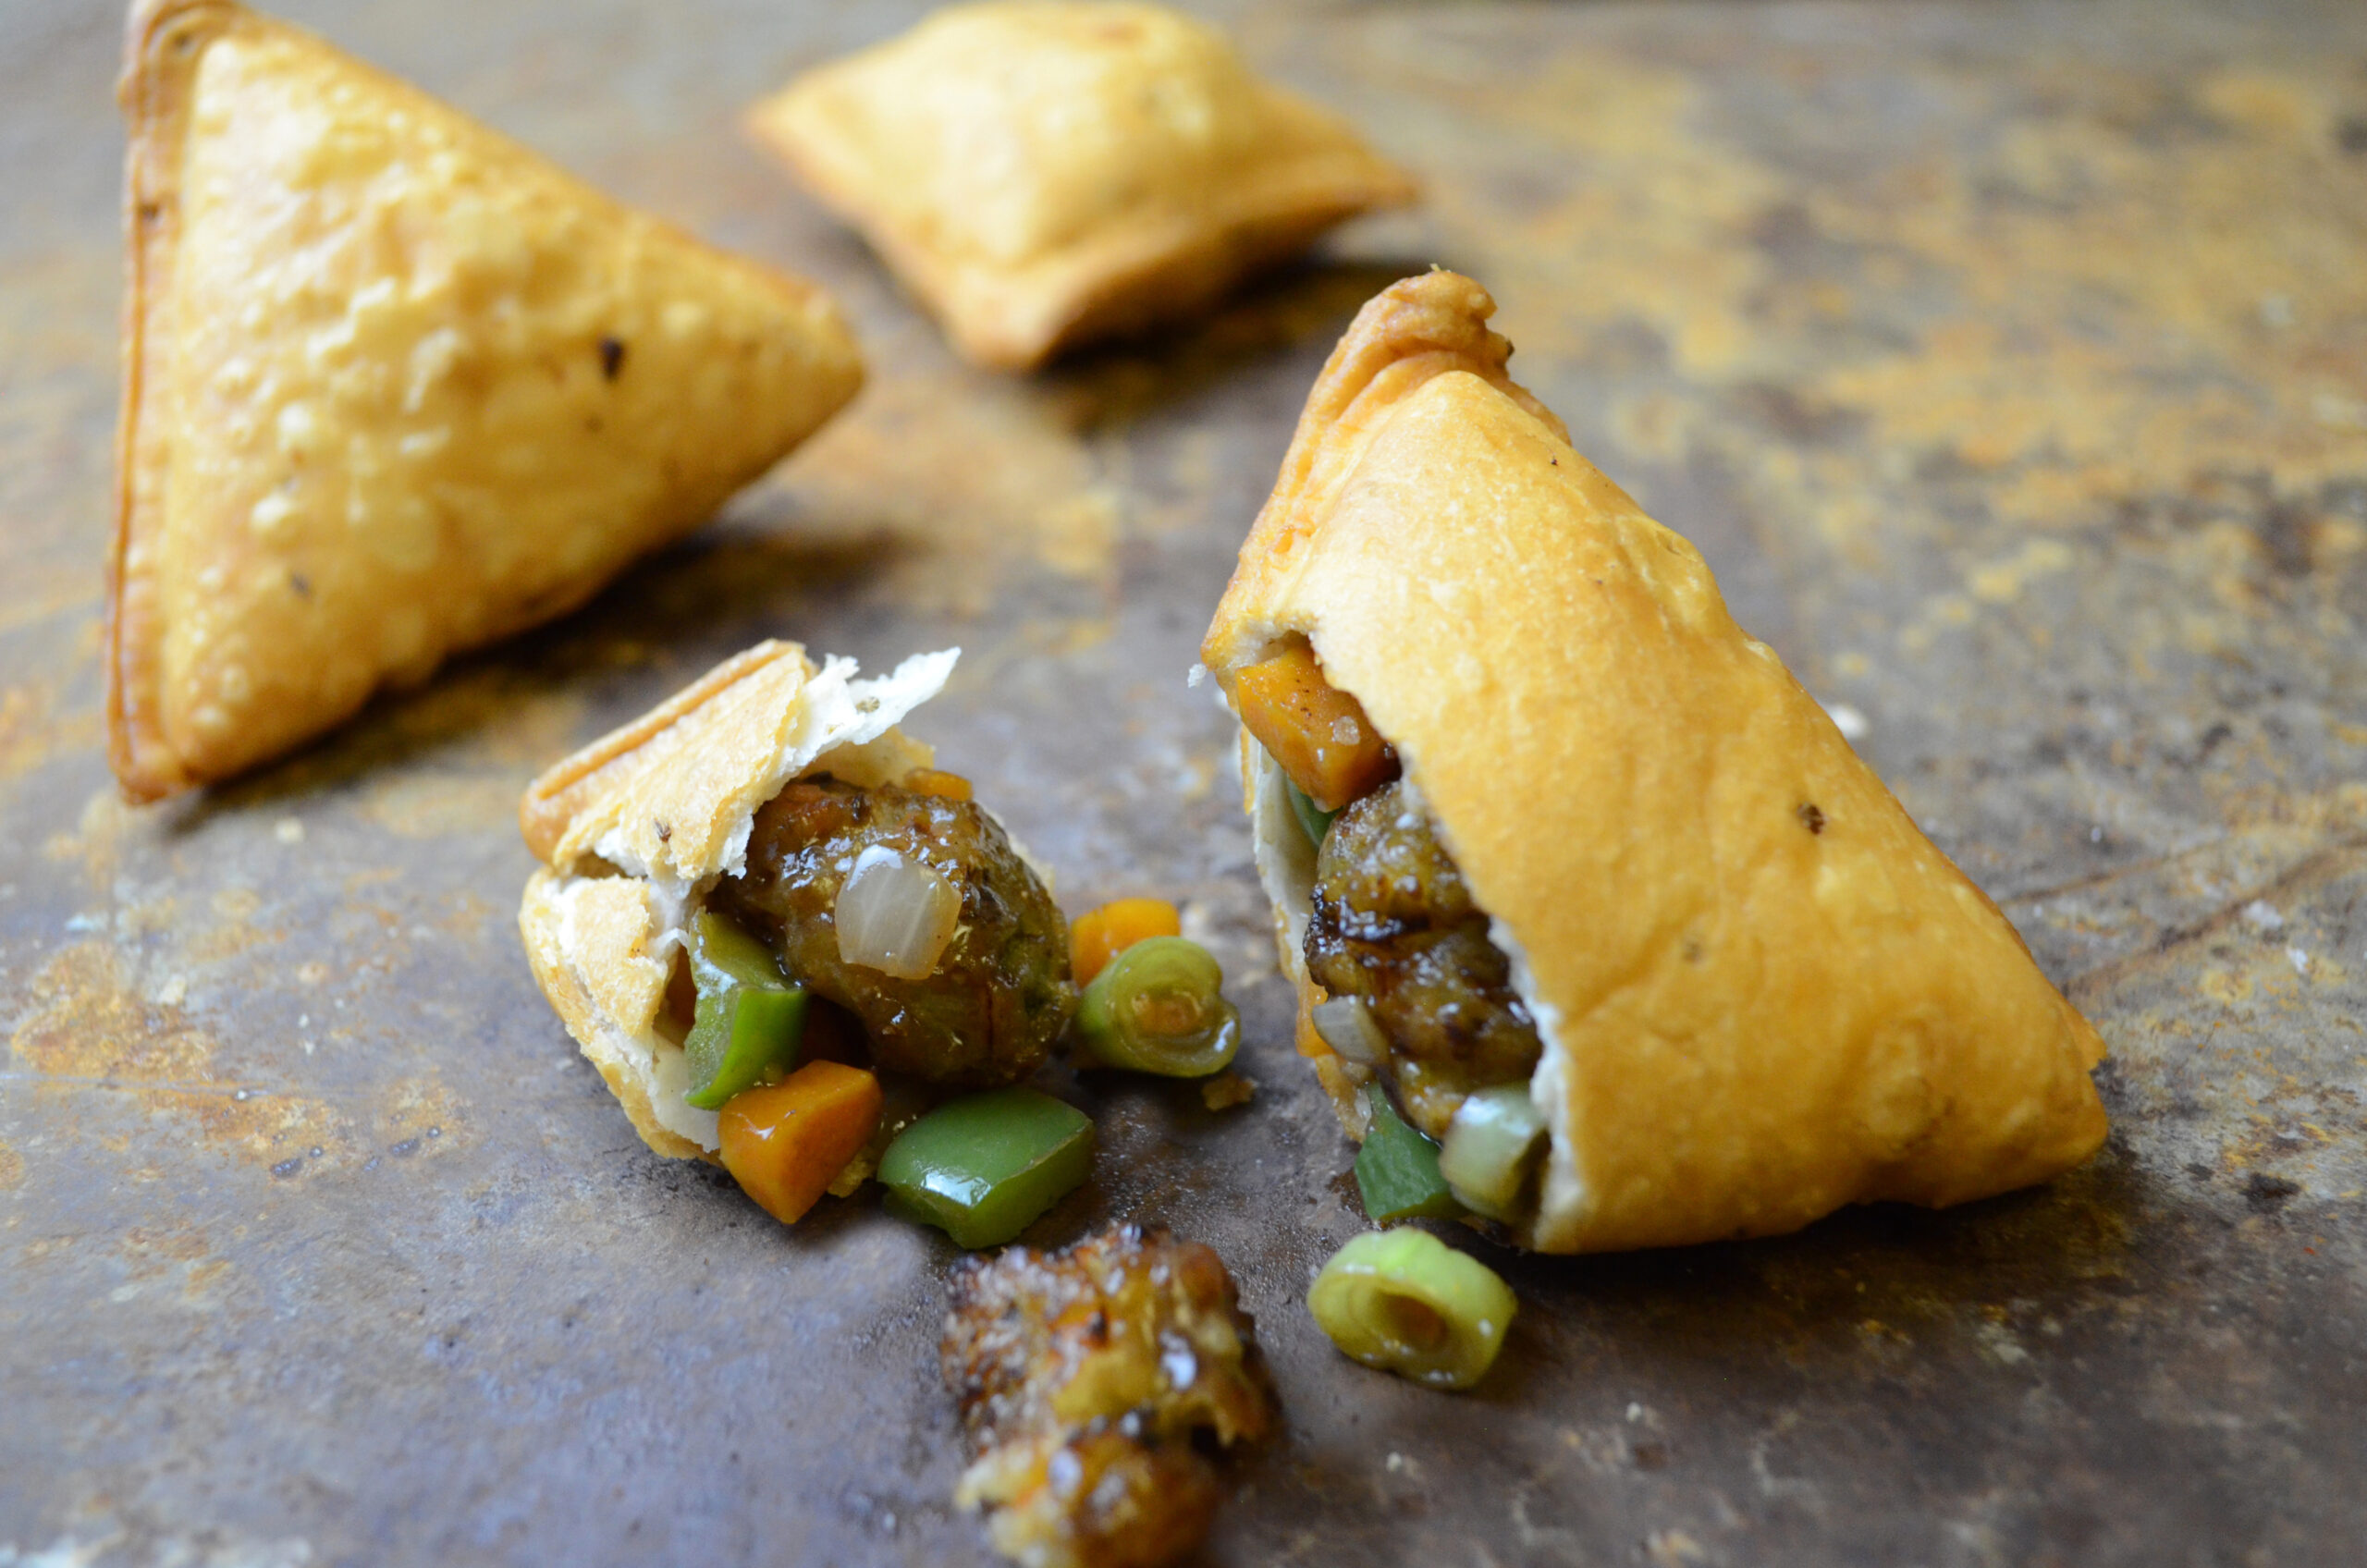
column 393, row 386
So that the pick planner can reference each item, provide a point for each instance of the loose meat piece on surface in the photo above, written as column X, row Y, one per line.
column 1083, row 1377
column 1000, row 994
column 1393, row 924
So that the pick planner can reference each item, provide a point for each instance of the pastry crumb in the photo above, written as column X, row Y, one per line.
column 1226, row 1090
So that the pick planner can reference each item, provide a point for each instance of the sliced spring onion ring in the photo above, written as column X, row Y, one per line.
column 895, row 914
column 1406, row 1301
column 1157, row 1008
column 1490, row 1149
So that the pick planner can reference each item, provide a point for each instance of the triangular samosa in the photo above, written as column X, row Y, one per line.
column 1757, row 991
column 393, row 386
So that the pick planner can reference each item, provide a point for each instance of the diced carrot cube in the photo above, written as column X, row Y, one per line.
column 929, row 781
column 1317, row 733
column 1100, row 935
column 1308, row 1038
column 785, row 1141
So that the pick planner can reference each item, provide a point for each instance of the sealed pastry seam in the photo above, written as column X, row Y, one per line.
column 161, row 45
column 1758, row 992
column 1015, row 316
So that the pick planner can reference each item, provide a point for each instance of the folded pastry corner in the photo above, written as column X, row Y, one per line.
column 1549, row 835
column 393, row 386
column 1045, row 172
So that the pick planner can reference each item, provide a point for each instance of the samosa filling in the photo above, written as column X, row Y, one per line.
column 1090, row 1380
column 1418, row 993
column 918, row 871
column 1393, row 924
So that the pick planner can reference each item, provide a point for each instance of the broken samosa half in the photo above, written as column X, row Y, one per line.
column 774, row 808
column 1043, row 172
column 394, row 387
column 1567, row 863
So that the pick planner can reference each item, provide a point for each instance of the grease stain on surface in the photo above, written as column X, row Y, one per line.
column 429, row 805
column 419, row 1116
column 34, row 730
column 92, row 1032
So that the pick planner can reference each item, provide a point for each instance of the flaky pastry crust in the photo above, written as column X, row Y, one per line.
column 394, row 387
column 1045, row 172
column 1763, row 992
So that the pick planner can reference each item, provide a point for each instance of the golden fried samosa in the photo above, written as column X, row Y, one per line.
column 1575, row 799
column 1045, row 172
column 393, row 386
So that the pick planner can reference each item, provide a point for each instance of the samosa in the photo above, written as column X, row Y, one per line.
column 1570, row 872
column 395, row 385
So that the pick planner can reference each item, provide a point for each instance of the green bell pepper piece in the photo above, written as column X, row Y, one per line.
column 724, row 954
column 1397, row 1171
column 1311, row 818
column 982, row 1168
column 751, row 1018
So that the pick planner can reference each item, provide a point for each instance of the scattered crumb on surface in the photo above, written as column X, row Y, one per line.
column 1226, row 1090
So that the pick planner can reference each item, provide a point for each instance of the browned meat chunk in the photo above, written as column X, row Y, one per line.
column 1000, row 996
column 1083, row 1378
column 1393, row 924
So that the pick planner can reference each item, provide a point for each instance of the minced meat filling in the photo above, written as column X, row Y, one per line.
column 1000, row 996
column 1393, row 924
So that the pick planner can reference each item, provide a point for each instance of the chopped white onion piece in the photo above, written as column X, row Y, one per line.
column 895, row 914
column 1346, row 1026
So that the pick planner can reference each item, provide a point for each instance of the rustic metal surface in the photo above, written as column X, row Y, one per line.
column 2010, row 364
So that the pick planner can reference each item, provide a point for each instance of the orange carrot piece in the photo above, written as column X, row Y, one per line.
column 1100, row 935
column 929, row 781
column 1318, row 732
column 784, row 1143
column 1309, row 1039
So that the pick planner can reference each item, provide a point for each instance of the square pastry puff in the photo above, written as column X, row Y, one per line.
column 1045, row 172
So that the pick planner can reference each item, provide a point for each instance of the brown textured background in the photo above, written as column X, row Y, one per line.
column 2009, row 361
